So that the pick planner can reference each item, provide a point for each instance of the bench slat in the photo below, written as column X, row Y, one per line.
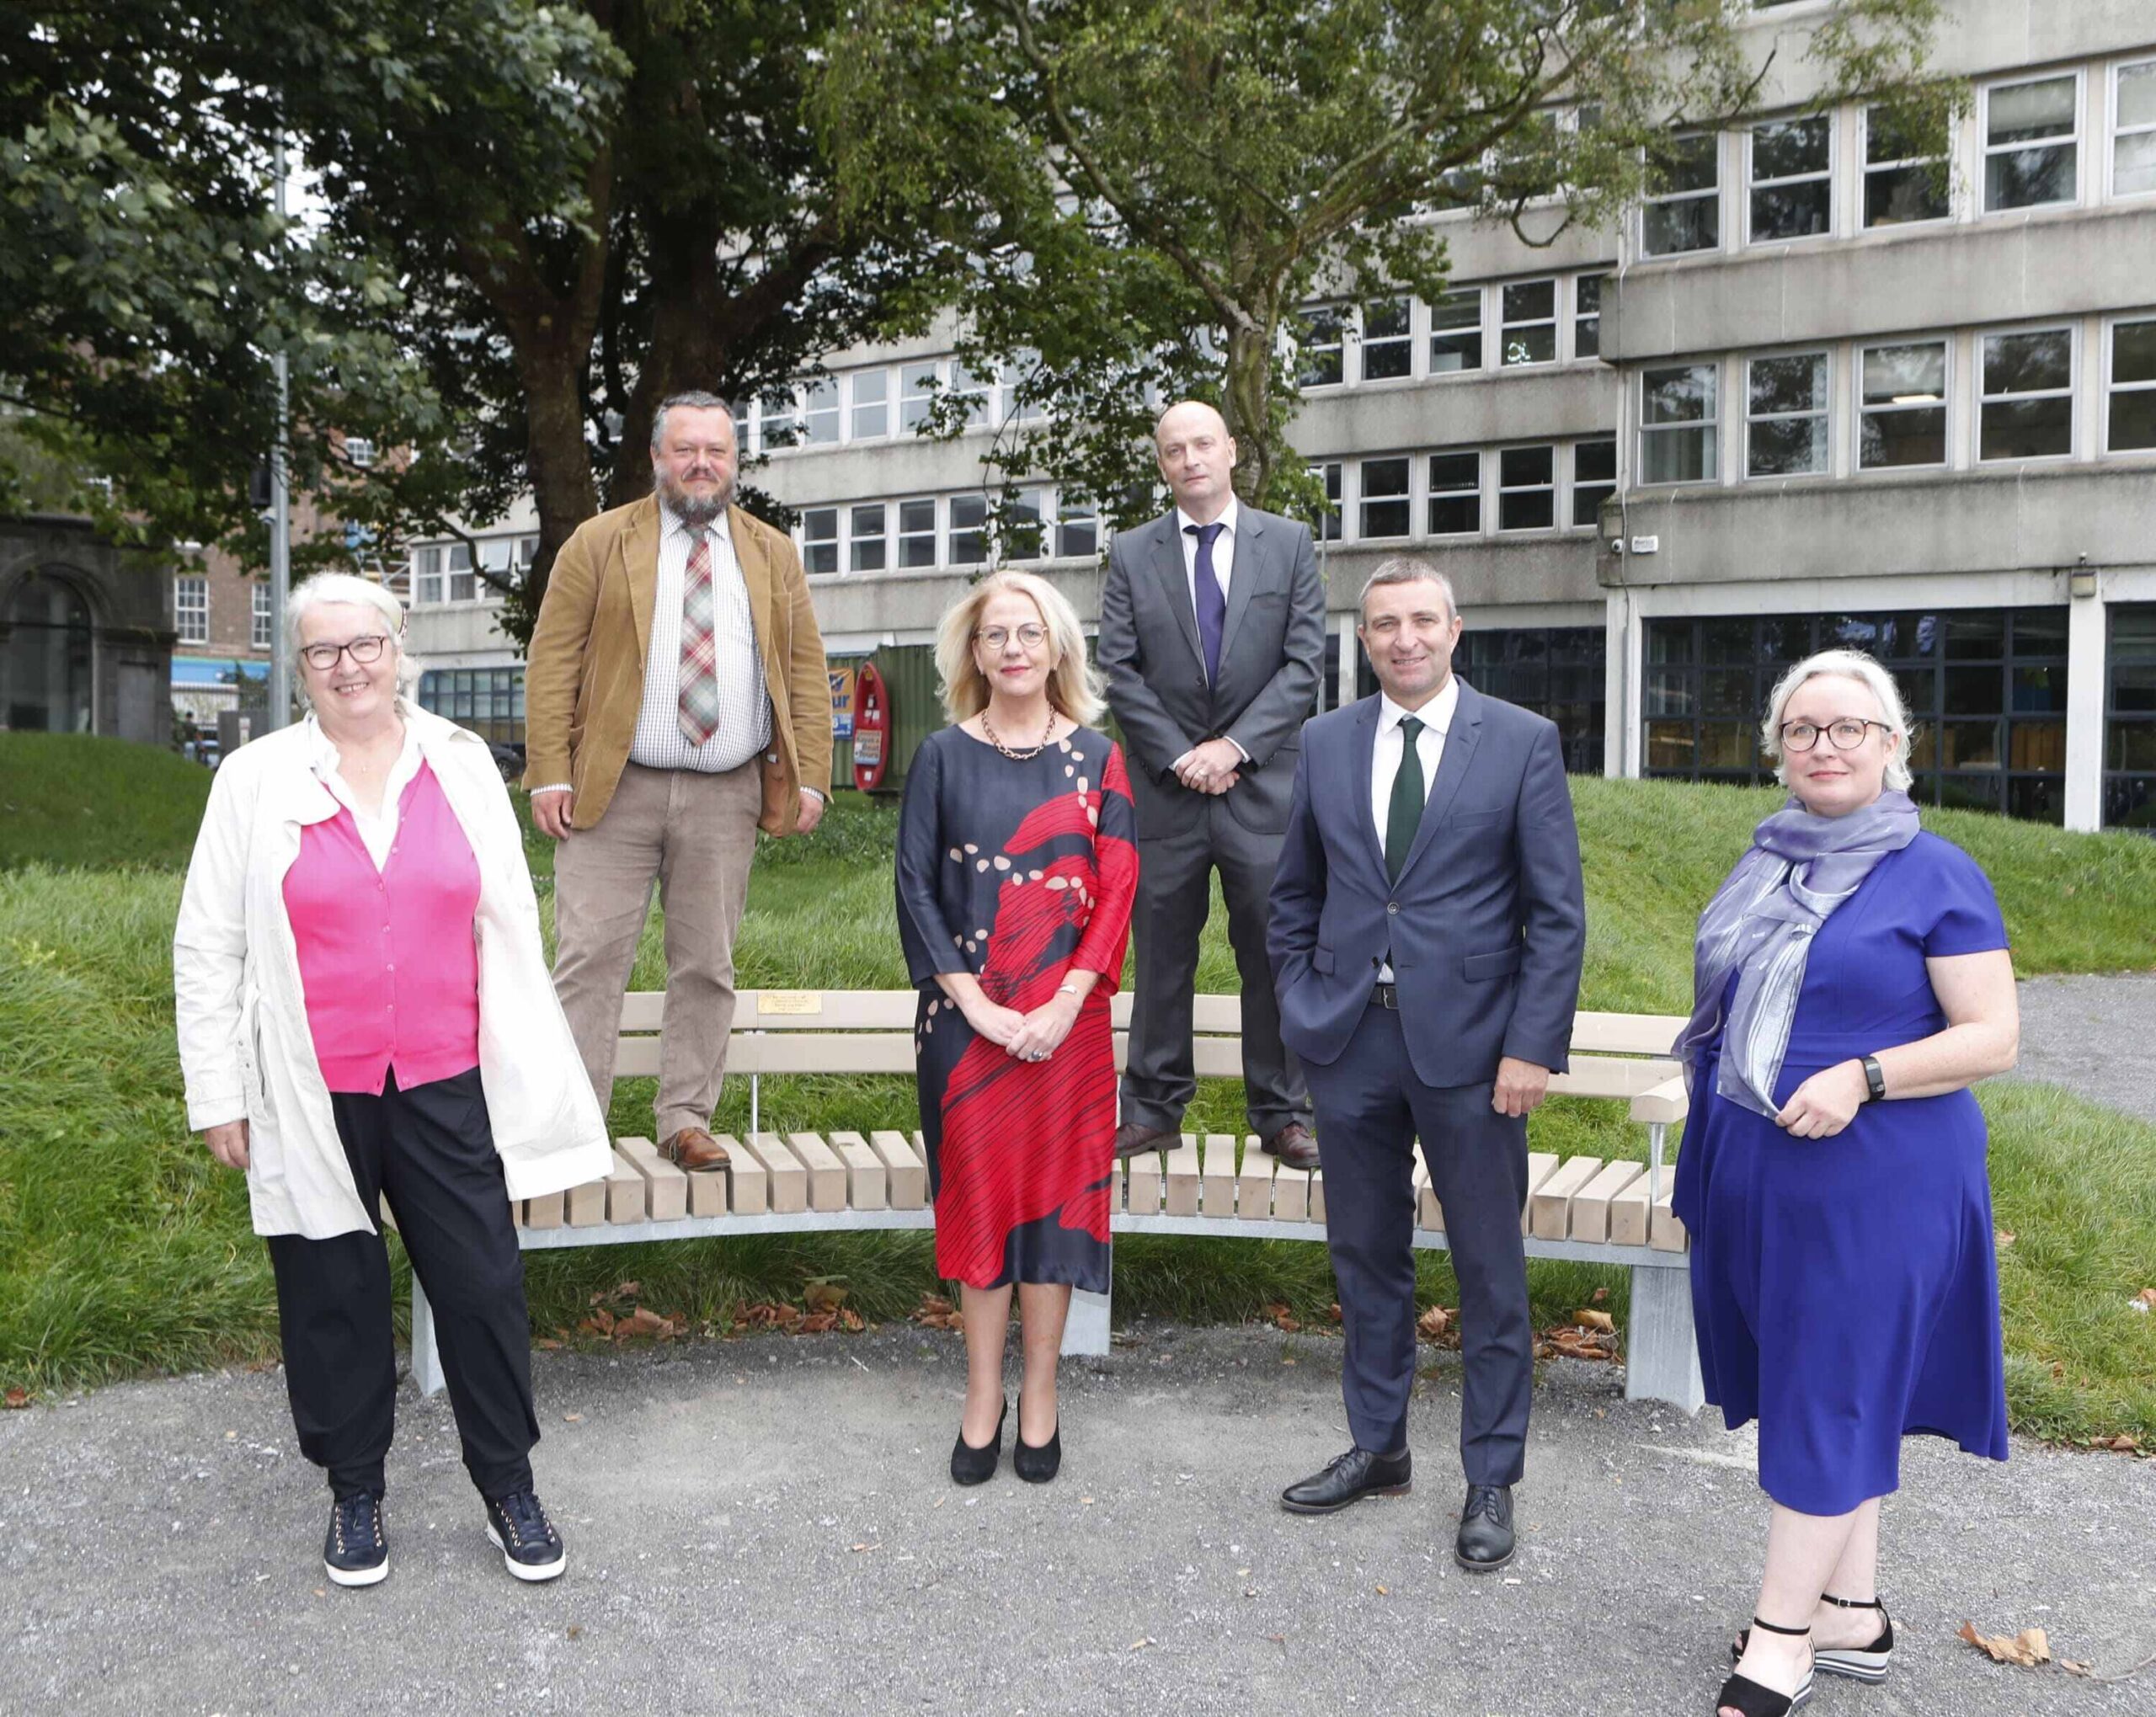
column 1317, row 1195
column 866, row 1182
column 1291, row 1194
column 1591, row 1204
column 1428, row 1215
column 545, row 1211
column 624, row 1191
column 666, row 1188
column 587, row 1204
column 1540, row 1165
column 826, row 1172
column 1549, row 1211
column 1254, row 1183
column 906, row 1170
column 1665, row 1102
column 1629, row 1214
column 1665, row 1232
column 1216, row 1192
column 1609, row 1076
column 1146, row 1171
column 747, row 1188
column 786, row 1182
column 1624, row 1034
column 1183, row 1177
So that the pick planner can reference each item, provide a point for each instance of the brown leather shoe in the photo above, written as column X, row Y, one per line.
column 695, row 1150
column 1294, row 1145
column 1135, row 1138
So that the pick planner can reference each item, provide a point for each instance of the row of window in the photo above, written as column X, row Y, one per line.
column 2129, row 719
column 875, row 404
column 1514, row 323
column 190, row 610
column 488, row 700
column 2032, row 133
column 1469, row 491
column 2025, row 389
column 946, row 531
column 444, row 572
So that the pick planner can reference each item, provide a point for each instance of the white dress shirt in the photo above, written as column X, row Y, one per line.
column 745, row 700
column 378, row 828
column 1436, row 718
column 1223, row 549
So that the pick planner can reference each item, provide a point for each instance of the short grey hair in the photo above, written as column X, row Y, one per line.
column 1845, row 664
column 1405, row 569
column 696, row 399
column 324, row 588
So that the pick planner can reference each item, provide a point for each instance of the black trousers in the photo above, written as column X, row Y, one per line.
column 1370, row 1110
column 430, row 1151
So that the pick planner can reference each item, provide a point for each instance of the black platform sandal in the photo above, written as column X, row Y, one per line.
column 1740, row 1692
column 1863, row 1663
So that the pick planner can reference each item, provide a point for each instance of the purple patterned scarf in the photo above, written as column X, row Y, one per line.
column 1760, row 925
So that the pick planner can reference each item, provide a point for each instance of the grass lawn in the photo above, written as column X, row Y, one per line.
column 123, row 1248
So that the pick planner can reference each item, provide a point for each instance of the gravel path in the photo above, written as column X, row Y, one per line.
column 2095, row 1036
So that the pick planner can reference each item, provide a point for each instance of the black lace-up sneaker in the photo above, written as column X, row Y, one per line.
column 518, row 1527
column 355, row 1551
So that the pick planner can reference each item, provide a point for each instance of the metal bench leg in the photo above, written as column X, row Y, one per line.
column 1086, row 1330
column 426, row 1351
column 1661, row 1359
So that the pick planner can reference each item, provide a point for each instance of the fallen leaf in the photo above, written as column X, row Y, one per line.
column 1591, row 1319
column 2146, row 1296
column 1434, row 1323
column 851, row 1322
column 2002, row 1237
column 643, row 1321
column 576, row 1633
column 546, row 1342
column 1382, row 1592
column 322, row 1591
column 817, row 1324
column 16, row 1398
column 1140, row 1644
column 572, row 1418
column 1599, row 1295
column 858, row 1549
column 1278, row 1639
column 1333, row 1312
column 2027, row 1648
column 825, row 1293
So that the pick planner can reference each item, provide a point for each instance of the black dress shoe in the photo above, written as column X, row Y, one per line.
column 1485, row 1541
column 977, row 1466
column 1350, row 1478
column 1135, row 1138
column 1037, row 1466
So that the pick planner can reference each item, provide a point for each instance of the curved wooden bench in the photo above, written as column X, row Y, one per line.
column 1582, row 1208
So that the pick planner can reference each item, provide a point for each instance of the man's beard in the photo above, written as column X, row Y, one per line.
column 691, row 509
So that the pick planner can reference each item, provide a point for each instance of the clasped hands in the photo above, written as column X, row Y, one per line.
column 1825, row 1103
column 1211, row 766
column 1027, row 1036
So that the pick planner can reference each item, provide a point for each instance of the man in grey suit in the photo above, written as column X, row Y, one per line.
column 1428, row 928
column 1212, row 630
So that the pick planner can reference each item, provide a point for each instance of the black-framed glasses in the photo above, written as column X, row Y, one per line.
column 1845, row 735
column 1033, row 636
column 364, row 649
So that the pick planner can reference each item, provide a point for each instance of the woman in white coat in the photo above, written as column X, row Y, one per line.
column 365, row 1014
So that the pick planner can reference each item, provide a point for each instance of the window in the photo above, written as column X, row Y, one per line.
column 1385, row 497
column 1594, row 478
column 1905, row 176
column 1559, row 672
column 778, row 425
column 871, row 404
column 1677, row 425
column 359, row 450
column 2130, row 718
column 488, row 700
column 867, row 548
column 1529, row 333
column 819, row 540
column 1785, row 416
column 2028, row 395
column 1587, row 315
column 1318, row 346
column 969, row 530
column 1792, row 178
column 1902, row 406
column 2133, row 130
column 1077, row 527
column 1455, row 494
column 1527, row 488
column 1456, row 331
column 2130, row 418
column 1387, row 350
column 916, row 533
column 820, row 411
column 426, row 576
column 1020, row 535
column 2031, row 155
column 495, row 555
column 259, row 635
column 463, row 582
column 1021, row 383
column 1682, row 205
column 1328, row 522
column 974, row 391
column 744, row 431
column 917, row 388
column 190, row 608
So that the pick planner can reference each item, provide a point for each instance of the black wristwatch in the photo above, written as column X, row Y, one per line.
column 1875, row 1077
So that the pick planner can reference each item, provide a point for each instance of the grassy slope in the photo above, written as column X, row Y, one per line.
column 121, row 1248
column 69, row 799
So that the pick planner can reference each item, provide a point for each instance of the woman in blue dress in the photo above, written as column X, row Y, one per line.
column 1852, row 982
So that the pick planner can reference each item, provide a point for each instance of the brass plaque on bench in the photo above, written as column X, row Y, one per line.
column 789, row 1001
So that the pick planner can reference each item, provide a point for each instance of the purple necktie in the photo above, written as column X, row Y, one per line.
column 1211, row 603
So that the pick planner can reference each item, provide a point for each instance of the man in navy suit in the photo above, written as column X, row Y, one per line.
column 1428, row 927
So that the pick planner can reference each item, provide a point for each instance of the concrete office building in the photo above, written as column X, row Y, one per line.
column 1815, row 391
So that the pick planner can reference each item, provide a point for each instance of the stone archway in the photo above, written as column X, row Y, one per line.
column 50, row 649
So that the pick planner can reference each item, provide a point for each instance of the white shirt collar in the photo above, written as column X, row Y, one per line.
column 322, row 755
column 1436, row 715
column 675, row 523
column 1227, row 521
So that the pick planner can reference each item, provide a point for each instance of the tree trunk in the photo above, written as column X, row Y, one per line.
column 1246, row 403
column 692, row 334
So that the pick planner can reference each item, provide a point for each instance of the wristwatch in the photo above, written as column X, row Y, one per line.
column 1875, row 1077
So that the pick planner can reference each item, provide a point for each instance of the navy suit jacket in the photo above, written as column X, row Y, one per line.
column 1486, row 926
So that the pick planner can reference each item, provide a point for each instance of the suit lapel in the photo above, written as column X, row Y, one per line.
column 1174, row 583
column 753, row 556
column 1243, row 579
column 640, row 565
column 1460, row 742
column 1365, row 761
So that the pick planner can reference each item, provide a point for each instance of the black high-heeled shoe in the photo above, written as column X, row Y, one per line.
column 1740, row 1692
column 1863, row 1663
column 1036, row 1466
column 977, row 1466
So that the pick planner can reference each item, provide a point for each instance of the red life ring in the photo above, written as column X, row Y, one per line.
column 872, row 729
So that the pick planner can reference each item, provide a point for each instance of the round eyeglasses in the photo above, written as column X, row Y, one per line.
column 364, row 649
column 1845, row 735
column 996, row 637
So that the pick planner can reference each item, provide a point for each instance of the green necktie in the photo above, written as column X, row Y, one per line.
column 1405, row 815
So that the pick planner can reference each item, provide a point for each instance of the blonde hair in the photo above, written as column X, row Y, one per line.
column 359, row 593
column 1846, row 664
column 1074, row 689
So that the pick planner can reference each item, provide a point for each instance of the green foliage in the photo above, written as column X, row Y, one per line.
column 1149, row 188
column 102, row 804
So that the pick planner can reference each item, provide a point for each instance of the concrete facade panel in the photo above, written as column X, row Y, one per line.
column 1549, row 402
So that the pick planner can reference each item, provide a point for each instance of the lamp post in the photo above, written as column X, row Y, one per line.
column 280, row 515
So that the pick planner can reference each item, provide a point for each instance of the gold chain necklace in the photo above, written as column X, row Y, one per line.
column 996, row 740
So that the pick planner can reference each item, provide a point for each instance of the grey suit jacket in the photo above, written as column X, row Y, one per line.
column 1272, row 645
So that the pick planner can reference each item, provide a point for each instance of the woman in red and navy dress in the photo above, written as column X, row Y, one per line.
column 1017, row 863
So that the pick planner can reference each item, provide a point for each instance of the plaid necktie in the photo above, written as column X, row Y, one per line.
column 699, row 652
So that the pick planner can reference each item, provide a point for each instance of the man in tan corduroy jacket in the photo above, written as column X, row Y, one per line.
column 675, row 701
